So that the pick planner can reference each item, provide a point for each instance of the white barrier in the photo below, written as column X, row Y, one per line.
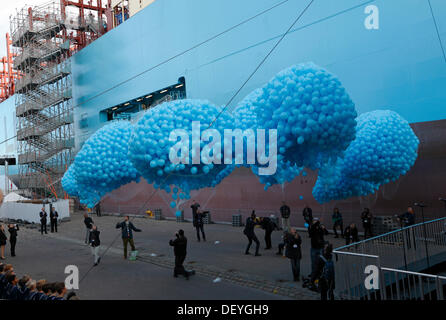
column 30, row 212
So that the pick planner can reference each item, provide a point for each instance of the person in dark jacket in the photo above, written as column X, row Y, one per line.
column 285, row 212
column 407, row 218
column 127, row 229
column 307, row 213
column 13, row 228
column 53, row 219
column 97, row 208
column 43, row 215
column 88, row 221
column 197, row 218
column 337, row 222
column 40, row 295
column 95, row 243
column 20, row 291
column 251, row 222
column 32, row 290
column 59, row 291
column 179, row 245
column 351, row 234
column 325, row 273
column 269, row 226
column 293, row 252
column 366, row 217
column 3, row 240
column 317, row 233
column 11, row 282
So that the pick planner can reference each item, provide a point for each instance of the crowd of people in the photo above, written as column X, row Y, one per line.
column 25, row 288
column 320, row 279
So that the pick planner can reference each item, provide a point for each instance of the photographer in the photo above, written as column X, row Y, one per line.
column 317, row 233
column 180, row 250
column 269, row 226
column 325, row 273
column 13, row 228
column 351, row 234
column 251, row 222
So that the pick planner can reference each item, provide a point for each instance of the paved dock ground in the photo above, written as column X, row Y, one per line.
column 151, row 276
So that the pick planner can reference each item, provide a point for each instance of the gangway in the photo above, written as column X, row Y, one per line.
column 401, row 256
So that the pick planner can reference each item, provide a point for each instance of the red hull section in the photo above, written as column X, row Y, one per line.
column 241, row 191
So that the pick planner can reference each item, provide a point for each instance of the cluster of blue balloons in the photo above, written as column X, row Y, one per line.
column 151, row 146
column 246, row 118
column 316, row 128
column 69, row 183
column 385, row 148
column 313, row 115
column 102, row 165
column 312, row 112
column 331, row 184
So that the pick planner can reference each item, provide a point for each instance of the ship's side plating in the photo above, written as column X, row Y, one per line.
column 400, row 66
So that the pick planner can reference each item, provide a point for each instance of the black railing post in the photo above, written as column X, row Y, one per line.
column 425, row 236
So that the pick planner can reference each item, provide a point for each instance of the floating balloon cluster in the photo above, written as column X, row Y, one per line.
column 102, row 165
column 315, row 122
column 385, row 148
column 312, row 112
column 69, row 183
column 333, row 185
column 150, row 147
column 246, row 118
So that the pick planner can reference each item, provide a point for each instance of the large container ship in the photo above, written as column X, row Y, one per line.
column 207, row 49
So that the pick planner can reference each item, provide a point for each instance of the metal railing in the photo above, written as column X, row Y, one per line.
column 407, row 248
column 408, row 285
column 414, row 248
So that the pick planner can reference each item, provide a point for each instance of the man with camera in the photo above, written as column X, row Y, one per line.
column 317, row 233
column 251, row 222
column 179, row 245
